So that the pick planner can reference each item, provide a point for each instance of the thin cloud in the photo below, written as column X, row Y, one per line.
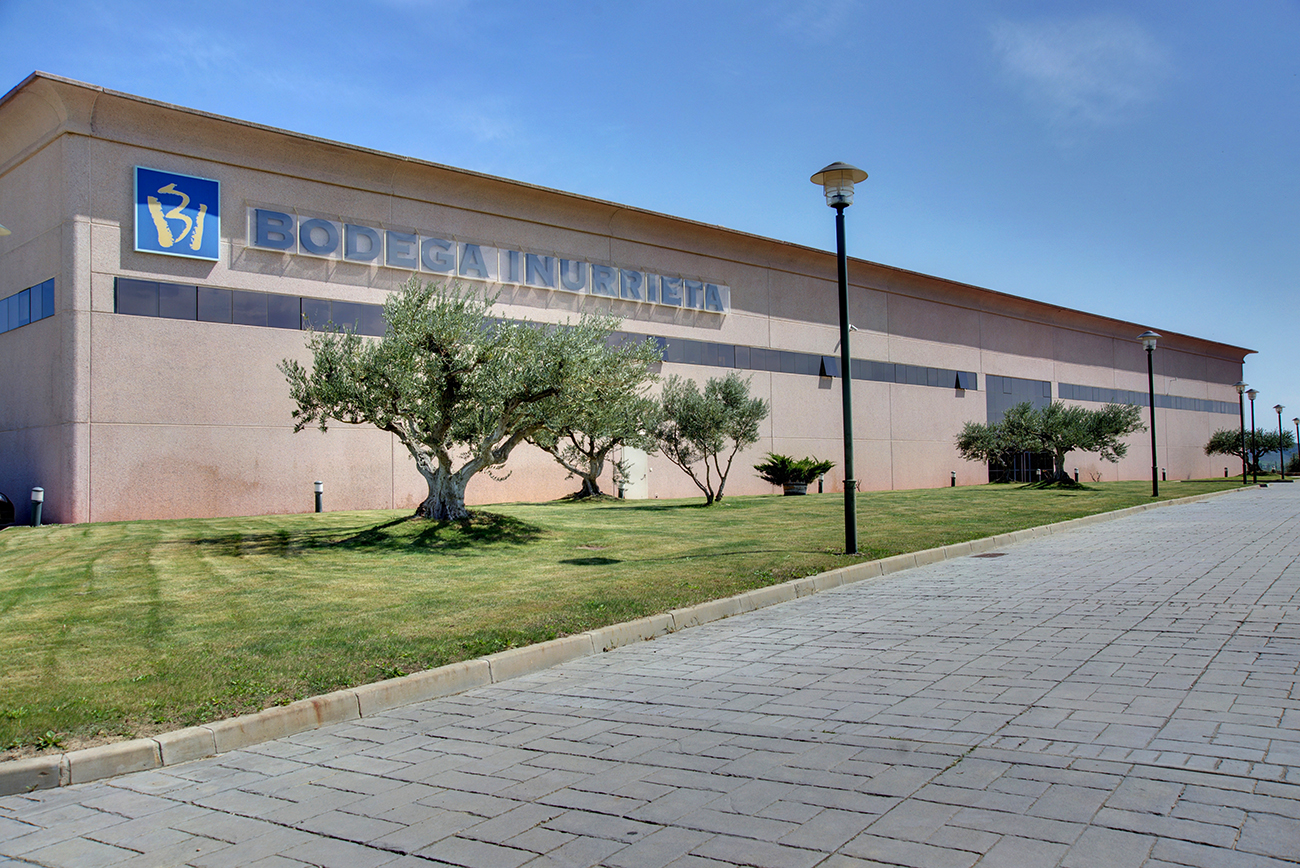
column 1086, row 72
column 484, row 126
column 814, row 21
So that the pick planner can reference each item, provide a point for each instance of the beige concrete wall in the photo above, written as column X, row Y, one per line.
column 42, row 401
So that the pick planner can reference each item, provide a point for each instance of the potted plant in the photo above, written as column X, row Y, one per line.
column 792, row 474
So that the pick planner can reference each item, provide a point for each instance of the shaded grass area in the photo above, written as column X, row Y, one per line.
column 122, row 629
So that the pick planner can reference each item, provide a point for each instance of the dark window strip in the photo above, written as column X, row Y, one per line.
column 241, row 307
column 27, row 306
column 683, row 351
column 1102, row 395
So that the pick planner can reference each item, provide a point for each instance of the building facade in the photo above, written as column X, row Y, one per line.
column 163, row 261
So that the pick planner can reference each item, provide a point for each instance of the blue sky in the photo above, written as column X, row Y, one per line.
column 1139, row 160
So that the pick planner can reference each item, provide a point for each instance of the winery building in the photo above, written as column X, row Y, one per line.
column 162, row 261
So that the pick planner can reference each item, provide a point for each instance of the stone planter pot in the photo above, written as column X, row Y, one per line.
column 794, row 488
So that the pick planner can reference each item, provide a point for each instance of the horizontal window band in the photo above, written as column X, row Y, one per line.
column 1102, row 395
column 136, row 297
column 27, row 306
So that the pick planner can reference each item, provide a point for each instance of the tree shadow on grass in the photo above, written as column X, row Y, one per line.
column 481, row 528
column 399, row 535
column 655, row 506
column 1063, row 485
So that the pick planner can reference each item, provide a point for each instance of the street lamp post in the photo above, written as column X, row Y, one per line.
column 1148, row 339
column 1281, row 456
column 1254, row 465
column 1241, row 418
column 836, row 181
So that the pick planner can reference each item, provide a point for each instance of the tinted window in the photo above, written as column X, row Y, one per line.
column 345, row 315
column 283, row 312
column 726, row 355
column 214, row 304
column 315, row 313
column 23, row 301
column 177, row 301
column 249, row 308
column 372, row 320
column 137, row 297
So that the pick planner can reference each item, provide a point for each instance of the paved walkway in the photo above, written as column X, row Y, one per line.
column 1121, row 695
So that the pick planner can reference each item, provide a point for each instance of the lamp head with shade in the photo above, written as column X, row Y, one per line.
column 837, row 182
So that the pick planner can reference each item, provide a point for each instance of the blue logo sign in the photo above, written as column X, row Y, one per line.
column 177, row 215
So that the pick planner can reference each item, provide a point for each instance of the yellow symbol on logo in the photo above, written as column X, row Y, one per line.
column 165, row 237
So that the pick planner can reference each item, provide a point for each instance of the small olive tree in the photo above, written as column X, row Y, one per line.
column 702, row 431
column 608, row 412
column 458, row 389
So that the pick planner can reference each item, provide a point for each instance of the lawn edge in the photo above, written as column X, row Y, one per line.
column 354, row 703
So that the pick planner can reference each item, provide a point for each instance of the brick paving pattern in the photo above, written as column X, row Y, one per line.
column 1120, row 695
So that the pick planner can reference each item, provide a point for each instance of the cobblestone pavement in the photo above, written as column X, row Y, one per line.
column 1120, row 695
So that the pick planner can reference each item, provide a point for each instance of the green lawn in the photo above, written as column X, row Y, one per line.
column 122, row 629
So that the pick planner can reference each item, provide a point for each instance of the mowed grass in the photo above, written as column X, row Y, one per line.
column 122, row 629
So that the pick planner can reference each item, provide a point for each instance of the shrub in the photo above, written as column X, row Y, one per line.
column 784, row 470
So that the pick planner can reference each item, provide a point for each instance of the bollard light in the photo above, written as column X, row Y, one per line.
column 836, row 181
column 1076, row 474
column 38, row 499
column 953, row 483
column 320, row 495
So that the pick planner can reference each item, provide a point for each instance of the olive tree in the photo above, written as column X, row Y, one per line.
column 459, row 389
column 1058, row 429
column 702, row 431
column 1258, row 443
column 988, row 443
column 608, row 412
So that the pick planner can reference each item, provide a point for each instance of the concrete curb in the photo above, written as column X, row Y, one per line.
column 197, row 742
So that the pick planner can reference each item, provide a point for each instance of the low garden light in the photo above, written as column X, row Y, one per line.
column 38, row 500
column 320, row 495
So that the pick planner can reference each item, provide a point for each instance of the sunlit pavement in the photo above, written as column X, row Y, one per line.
column 1124, row 694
